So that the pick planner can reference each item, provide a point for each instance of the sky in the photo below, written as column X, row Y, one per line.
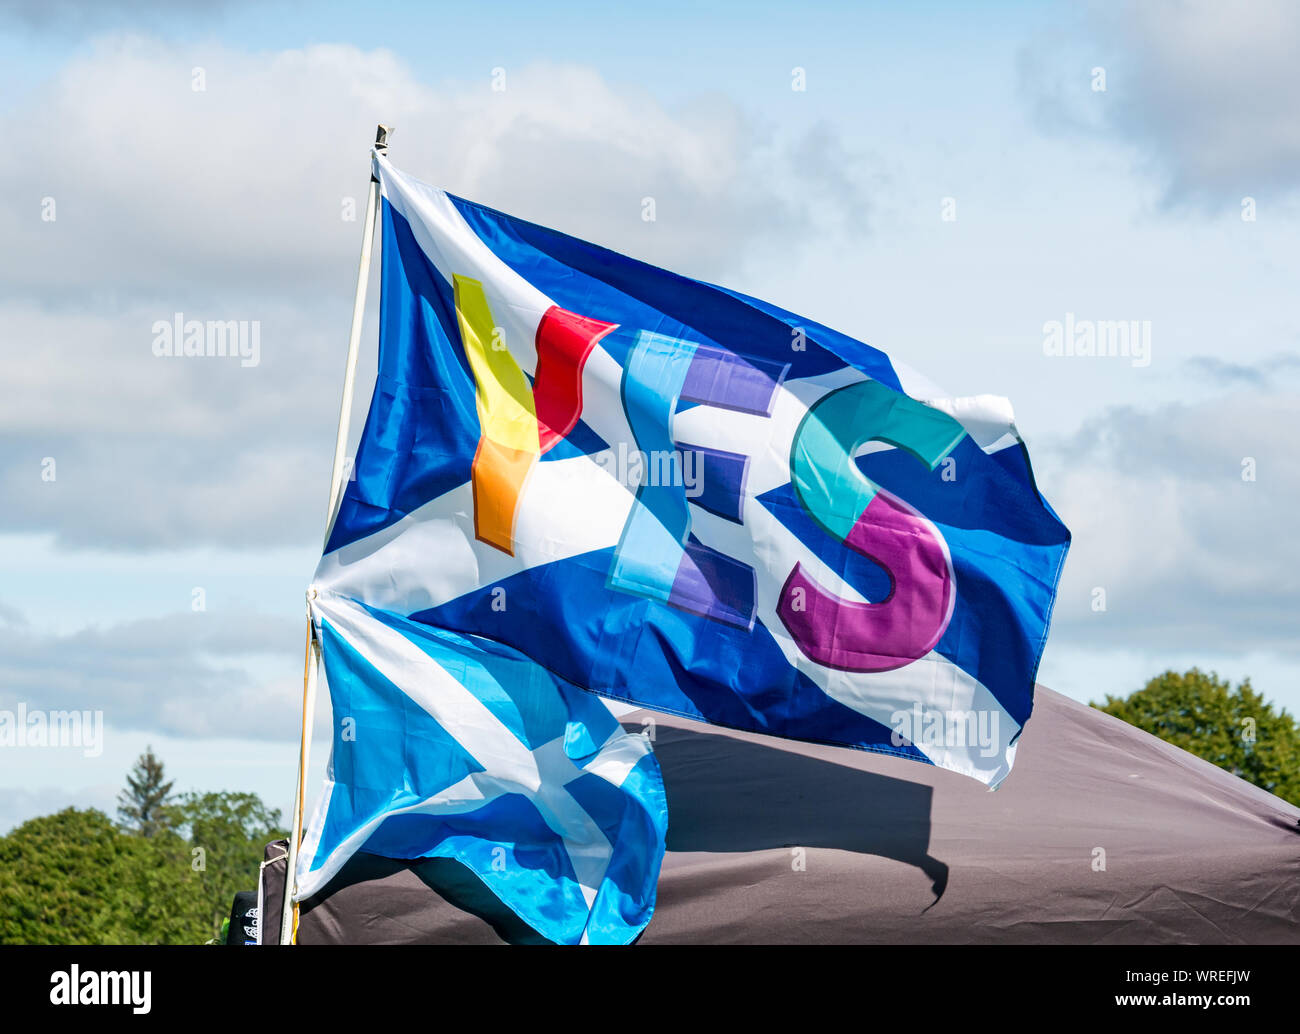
column 949, row 180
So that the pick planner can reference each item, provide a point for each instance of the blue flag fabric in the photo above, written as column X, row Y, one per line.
column 671, row 495
column 454, row 747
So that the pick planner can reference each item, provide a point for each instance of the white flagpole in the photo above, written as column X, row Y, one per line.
column 289, row 911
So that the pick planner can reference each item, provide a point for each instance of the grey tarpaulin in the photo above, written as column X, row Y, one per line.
column 775, row 841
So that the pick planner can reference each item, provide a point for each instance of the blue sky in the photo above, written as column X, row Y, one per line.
column 1116, row 204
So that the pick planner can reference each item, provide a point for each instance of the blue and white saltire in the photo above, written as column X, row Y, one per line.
column 450, row 746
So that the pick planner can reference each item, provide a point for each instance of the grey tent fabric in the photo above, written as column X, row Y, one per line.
column 1102, row 833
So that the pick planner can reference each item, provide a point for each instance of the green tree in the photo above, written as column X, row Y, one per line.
column 75, row 878
column 142, row 806
column 226, row 834
column 1236, row 729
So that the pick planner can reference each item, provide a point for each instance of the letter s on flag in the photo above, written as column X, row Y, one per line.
column 906, row 625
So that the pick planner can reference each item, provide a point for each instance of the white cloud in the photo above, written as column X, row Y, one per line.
column 161, row 189
column 185, row 675
column 1186, row 549
column 1204, row 93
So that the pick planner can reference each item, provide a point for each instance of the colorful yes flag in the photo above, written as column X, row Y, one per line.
column 677, row 496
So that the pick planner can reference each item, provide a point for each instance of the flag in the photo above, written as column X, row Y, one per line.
column 450, row 746
column 676, row 496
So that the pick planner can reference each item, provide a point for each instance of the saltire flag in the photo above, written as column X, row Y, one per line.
column 454, row 746
column 633, row 483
